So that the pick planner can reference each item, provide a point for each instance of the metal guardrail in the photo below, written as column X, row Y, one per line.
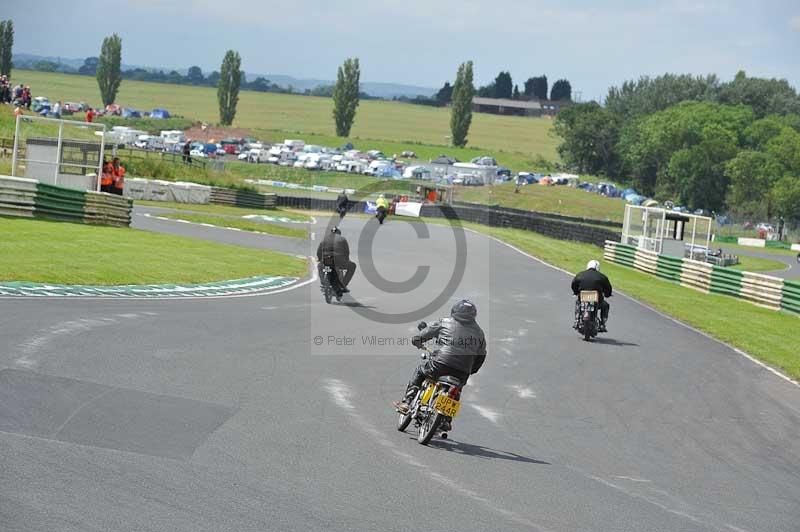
column 242, row 198
column 762, row 290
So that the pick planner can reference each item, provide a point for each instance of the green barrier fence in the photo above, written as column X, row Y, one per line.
column 763, row 290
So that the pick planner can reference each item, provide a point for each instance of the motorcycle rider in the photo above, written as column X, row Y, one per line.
column 382, row 206
column 592, row 279
column 334, row 244
column 460, row 350
column 341, row 204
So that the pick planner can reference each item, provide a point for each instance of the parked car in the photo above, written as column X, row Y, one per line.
column 39, row 103
column 130, row 113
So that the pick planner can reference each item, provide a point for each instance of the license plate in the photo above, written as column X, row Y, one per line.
column 447, row 406
column 589, row 296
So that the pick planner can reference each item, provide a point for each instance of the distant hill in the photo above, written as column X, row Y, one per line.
column 373, row 88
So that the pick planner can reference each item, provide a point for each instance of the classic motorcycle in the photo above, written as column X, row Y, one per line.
column 587, row 314
column 330, row 285
column 434, row 406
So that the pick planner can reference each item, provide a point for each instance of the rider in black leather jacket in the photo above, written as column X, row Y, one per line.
column 460, row 349
column 592, row 279
column 336, row 245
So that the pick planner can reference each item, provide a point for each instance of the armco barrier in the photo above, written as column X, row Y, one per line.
column 547, row 215
column 107, row 209
column 523, row 220
column 242, row 198
column 30, row 198
column 762, row 290
column 17, row 196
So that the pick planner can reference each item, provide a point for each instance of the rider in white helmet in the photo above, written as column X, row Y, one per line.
column 592, row 279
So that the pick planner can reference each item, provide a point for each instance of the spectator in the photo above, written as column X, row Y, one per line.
column 18, row 110
column 57, row 110
column 118, row 172
column 26, row 97
column 187, row 152
column 90, row 115
column 107, row 179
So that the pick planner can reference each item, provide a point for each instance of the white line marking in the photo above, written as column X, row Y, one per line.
column 341, row 394
column 645, row 305
column 522, row 392
column 633, row 479
column 489, row 414
column 647, row 499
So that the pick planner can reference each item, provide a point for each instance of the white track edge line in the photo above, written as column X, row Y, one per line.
column 670, row 318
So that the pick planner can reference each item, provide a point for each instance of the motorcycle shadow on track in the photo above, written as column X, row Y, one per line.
column 611, row 341
column 469, row 449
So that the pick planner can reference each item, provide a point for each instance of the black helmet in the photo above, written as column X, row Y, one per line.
column 335, row 230
column 464, row 310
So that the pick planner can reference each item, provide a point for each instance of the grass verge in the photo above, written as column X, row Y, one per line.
column 557, row 199
column 239, row 223
column 66, row 253
column 760, row 332
column 757, row 264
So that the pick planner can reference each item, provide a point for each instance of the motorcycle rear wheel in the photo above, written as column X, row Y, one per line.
column 429, row 426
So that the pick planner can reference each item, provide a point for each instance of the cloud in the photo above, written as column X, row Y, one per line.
column 794, row 23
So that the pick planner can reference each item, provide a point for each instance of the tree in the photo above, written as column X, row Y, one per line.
column 752, row 175
column 345, row 96
column 89, row 67
column 195, row 76
column 697, row 174
column 259, row 85
column 590, row 134
column 649, row 95
column 786, row 196
column 45, row 66
column 516, row 92
column 461, row 110
column 230, row 78
column 109, row 75
column 503, row 86
column 6, row 46
column 445, row 94
column 487, row 91
column 213, row 79
column 562, row 90
column 536, row 87
column 765, row 96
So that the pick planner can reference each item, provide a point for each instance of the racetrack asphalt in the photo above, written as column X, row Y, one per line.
column 790, row 271
column 224, row 414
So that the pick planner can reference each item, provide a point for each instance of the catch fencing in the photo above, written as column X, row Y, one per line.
column 762, row 290
column 32, row 199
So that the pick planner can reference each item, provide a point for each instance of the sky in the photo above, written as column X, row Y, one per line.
column 593, row 43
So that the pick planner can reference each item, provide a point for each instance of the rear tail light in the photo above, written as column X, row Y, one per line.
column 455, row 392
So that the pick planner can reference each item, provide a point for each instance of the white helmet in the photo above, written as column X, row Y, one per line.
column 593, row 265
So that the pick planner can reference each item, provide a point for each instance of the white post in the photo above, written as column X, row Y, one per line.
column 100, row 161
column 694, row 229
column 16, row 144
column 58, row 150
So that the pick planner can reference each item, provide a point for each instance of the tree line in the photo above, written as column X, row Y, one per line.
column 695, row 140
column 534, row 88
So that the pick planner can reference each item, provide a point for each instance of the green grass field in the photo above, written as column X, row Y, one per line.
column 65, row 253
column 556, row 199
column 280, row 115
column 758, row 331
column 239, row 223
column 757, row 264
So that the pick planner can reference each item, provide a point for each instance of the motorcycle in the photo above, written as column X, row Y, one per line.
column 434, row 406
column 381, row 214
column 329, row 281
column 587, row 315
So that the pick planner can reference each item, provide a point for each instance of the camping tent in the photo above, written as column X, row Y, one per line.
column 159, row 113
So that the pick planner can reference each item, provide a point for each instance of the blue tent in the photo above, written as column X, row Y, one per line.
column 387, row 171
column 131, row 113
column 159, row 113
